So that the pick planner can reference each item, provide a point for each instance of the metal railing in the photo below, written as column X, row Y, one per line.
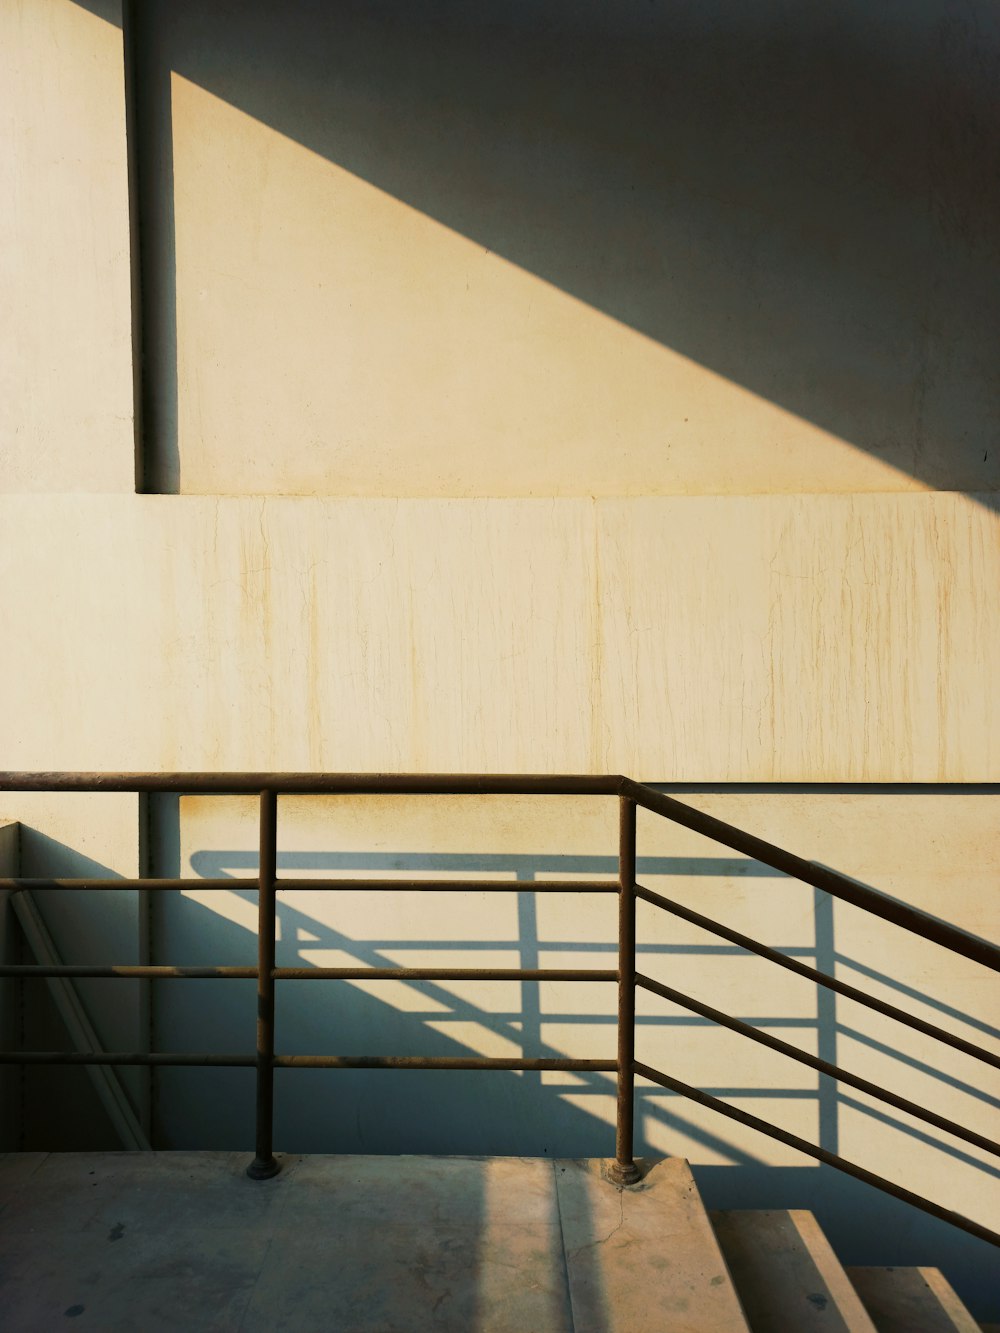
column 630, row 795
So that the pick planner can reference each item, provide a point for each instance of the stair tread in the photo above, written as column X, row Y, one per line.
column 644, row 1257
column 786, row 1273
column 900, row 1300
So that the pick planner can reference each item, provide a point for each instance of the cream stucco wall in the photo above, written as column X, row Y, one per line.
column 66, row 418
column 516, row 250
column 736, row 639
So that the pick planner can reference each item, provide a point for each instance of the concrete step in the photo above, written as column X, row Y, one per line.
column 788, row 1278
column 645, row 1257
column 175, row 1241
column 900, row 1300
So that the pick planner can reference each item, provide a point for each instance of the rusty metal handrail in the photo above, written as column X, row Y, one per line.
column 267, row 787
column 322, row 784
column 830, row 881
column 518, row 784
column 630, row 794
column 819, row 1154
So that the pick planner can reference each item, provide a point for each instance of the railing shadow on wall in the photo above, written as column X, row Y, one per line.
column 548, row 1123
column 303, row 935
column 207, row 936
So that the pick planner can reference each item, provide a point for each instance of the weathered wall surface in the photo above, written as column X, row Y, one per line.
column 572, row 249
column 838, row 638
column 66, row 331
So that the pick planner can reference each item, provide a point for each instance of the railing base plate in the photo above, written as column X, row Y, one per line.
column 623, row 1173
column 263, row 1170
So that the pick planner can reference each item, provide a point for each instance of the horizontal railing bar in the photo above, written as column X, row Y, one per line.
column 439, row 1062
column 819, row 1154
column 129, row 971
column 820, row 978
column 454, row 885
column 830, row 881
column 321, row 784
column 26, row 971
column 15, row 885
column 126, row 1058
column 822, row 1066
column 301, row 1061
column 442, row 974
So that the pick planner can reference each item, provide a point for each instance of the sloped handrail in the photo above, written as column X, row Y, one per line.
column 830, row 881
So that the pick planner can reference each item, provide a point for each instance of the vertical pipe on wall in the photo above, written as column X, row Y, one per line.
column 149, row 135
column 623, row 1171
column 264, row 1164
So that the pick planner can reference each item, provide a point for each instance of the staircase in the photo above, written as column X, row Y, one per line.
column 788, row 1277
column 184, row 1241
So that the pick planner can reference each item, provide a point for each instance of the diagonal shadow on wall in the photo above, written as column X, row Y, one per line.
column 804, row 201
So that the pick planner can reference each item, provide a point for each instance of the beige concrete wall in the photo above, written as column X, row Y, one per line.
column 66, row 332
column 374, row 271
column 935, row 850
column 729, row 640
column 572, row 250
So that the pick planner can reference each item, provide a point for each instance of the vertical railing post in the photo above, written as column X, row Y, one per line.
column 264, row 1165
column 623, row 1171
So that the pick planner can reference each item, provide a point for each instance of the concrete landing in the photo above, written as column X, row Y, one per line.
column 185, row 1241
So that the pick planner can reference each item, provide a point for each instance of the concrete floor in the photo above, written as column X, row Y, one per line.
column 157, row 1241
